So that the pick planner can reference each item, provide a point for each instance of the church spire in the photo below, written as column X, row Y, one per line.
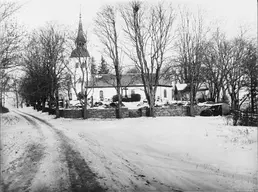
column 80, row 40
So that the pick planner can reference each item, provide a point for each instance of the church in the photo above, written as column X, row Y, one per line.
column 102, row 87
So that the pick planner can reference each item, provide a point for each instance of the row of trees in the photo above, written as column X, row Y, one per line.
column 44, row 65
column 158, row 41
column 202, row 55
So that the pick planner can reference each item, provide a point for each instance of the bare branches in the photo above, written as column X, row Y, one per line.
column 10, row 42
column 149, row 30
column 7, row 9
column 10, row 36
column 106, row 30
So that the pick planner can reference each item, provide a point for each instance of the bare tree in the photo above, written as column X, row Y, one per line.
column 216, row 62
column 192, row 35
column 149, row 31
column 10, row 42
column 106, row 30
column 251, row 75
column 35, row 84
column 235, row 77
column 53, row 42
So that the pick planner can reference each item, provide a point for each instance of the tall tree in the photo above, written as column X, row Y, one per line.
column 235, row 75
column 251, row 75
column 53, row 43
column 192, row 35
column 150, row 33
column 35, row 85
column 216, row 59
column 106, row 30
column 103, row 67
column 10, row 43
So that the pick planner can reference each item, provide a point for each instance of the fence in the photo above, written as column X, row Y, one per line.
column 247, row 119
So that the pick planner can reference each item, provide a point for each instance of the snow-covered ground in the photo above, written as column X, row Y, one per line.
column 144, row 154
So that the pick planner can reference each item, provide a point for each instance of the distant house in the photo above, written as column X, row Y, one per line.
column 182, row 91
column 103, row 87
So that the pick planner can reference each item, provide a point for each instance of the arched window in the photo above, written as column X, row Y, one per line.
column 101, row 95
column 165, row 93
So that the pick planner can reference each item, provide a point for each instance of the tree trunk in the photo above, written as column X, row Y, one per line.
column 85, row 105
column 235, row 108
column 191, row 100
column 57, row 104
column 118, row 112
column 17, row 98
column 151, row 104
column 43, row 104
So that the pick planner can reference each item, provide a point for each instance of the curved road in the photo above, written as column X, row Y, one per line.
column 51, row 164
column 56, row 158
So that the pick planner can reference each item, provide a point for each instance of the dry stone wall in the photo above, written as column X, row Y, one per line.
column 111, row 112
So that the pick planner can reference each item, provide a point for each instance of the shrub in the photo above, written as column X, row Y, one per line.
column 3, row 109
column 206, row 112
column 115, row 98
column 79, row 96
column 201, row 100
column 126, row 99
column 134, row 97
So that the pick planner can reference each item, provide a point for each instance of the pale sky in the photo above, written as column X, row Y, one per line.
column 229, row 13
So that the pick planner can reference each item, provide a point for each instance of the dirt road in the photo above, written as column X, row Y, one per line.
column 43, row 160
column 40, row 153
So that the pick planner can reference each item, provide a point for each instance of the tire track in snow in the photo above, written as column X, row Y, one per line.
column 106, row 163
column 32, row 122
column 80, row 175
column 19, row 176
column 21, row 171
column 139, row 176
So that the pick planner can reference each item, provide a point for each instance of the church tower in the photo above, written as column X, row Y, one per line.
column 80, row 56
column 80, row 42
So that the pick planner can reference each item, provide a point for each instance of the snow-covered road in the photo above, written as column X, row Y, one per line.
column 38, row 157
column 142, row 154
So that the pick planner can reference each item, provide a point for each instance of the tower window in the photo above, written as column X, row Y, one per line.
column 101, row 95
column 165, row 93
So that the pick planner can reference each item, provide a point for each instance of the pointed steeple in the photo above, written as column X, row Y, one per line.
column 80, row 40
column 80, row 50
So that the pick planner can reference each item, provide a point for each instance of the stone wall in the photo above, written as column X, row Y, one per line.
column 199, row 109
column 107, row 113
column 111, row 112
column 170, row 111
column 71, row 113
column 93, row 113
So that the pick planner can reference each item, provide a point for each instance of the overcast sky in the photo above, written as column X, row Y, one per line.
column 230, row 14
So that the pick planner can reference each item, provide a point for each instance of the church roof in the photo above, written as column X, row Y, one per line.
column 127, row 80
column 80, row 52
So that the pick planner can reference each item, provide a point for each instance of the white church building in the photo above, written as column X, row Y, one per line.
column 102, row 87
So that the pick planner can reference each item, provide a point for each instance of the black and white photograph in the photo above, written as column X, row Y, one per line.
column 128, row 96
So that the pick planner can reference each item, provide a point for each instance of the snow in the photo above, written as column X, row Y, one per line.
column 181, row 87
column 159, row 154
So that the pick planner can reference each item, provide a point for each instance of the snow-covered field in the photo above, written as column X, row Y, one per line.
column 139, row 154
